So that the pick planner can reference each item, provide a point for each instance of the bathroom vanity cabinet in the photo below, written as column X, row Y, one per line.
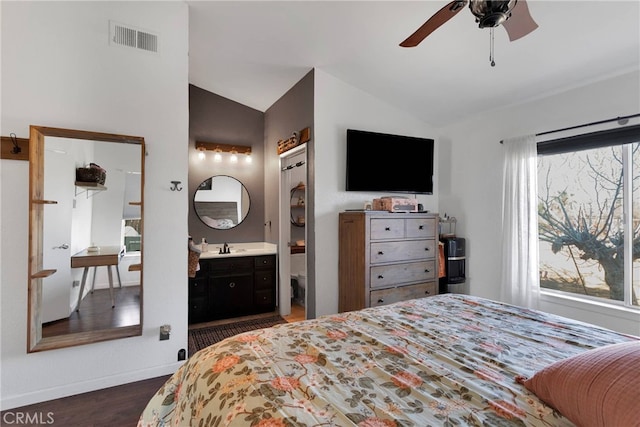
column 232, row 286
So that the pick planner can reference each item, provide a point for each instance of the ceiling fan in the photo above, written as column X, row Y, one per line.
column 513, row 15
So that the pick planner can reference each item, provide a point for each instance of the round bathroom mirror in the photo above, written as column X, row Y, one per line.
column 221, row 202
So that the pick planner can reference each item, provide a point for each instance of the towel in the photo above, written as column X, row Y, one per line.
column 194, row 258
column 441, row 261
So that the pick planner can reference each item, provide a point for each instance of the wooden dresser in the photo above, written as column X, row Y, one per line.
column 386, row 257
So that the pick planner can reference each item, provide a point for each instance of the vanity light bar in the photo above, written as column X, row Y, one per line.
column 223, row 148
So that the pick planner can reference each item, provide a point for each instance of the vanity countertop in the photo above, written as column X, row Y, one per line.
column 239, row 249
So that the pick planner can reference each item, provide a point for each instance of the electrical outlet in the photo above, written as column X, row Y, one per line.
column 165, row 331
column 182, row 354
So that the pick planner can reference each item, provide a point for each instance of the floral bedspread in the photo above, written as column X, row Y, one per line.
column 446, row 360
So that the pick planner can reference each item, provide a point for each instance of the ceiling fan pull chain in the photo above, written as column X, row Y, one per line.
column 491, row 50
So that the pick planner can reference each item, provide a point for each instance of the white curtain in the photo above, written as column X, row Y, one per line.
column 520, row 279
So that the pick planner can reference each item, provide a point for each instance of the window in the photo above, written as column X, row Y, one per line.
column 589, row 215
column 131, row 235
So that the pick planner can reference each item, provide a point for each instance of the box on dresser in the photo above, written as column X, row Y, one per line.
column 395, row 204
column 386, row 257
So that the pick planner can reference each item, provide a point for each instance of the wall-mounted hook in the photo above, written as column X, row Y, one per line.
column 175, row 185
column 16, row 148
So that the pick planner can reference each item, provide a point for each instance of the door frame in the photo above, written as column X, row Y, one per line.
column 284, row 238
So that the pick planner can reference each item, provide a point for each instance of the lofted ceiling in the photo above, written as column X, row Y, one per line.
column 252, row 52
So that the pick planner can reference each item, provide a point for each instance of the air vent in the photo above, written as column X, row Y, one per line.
column 126, row 35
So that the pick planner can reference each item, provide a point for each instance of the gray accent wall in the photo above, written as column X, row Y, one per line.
column 294, row 111
column 215, row 119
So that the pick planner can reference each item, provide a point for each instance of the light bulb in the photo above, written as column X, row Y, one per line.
column 234, row 157
column 248, row 158
column 201, row 155
column 217, row 157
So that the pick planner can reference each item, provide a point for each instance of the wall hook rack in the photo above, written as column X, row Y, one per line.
column 14, row 148
column 175, row 185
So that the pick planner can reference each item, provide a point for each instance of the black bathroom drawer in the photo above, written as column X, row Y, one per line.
column 265, row 261
column 198, row 287
column 234, row 265
column 263, row 279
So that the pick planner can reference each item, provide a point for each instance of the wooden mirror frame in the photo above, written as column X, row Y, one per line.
column 36, row 272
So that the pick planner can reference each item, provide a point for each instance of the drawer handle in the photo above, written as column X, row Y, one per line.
column 421, row 227
column 232, row 284
column 426, row 249
column 264, row 279
column 380, row 301
column 380, row 276
column 380, row 253
column 264, row 261
column 427, row 292
column 387, row 229
column 426, row 270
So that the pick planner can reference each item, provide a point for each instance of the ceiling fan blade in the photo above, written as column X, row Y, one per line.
column 520, row 23
column 432, row 24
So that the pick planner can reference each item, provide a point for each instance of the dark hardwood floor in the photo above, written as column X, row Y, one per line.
column 118, row 406
column 96, row 312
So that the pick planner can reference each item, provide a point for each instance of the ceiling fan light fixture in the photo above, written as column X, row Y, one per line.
column 490, row 14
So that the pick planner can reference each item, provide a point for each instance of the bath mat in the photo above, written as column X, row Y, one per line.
column 204, row 337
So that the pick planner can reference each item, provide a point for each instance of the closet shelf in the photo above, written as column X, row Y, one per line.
column 295, row 249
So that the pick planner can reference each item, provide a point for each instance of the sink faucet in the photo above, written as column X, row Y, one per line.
column 226, row 249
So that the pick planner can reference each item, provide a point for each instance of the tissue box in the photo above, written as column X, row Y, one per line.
column 395, row 204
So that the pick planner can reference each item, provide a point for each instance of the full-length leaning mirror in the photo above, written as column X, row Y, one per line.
column 221, row 202
column 85, row 237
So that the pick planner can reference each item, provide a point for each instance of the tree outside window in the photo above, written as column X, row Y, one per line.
column 582, row 223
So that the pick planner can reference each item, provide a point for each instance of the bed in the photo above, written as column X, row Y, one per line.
column 445, row 360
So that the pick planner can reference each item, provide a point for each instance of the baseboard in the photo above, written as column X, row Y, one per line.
column 86, row 386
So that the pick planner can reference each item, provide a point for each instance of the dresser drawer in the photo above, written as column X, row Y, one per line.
column 400, row 251
column 387, row 275
column 387, row 228
column 420, row 227
column 388, row 296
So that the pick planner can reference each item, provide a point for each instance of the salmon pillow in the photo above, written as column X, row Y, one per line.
column 600, row 387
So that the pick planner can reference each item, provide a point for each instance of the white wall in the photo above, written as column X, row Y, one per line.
column 338, row 106
column 58, row 70
column 471, row 161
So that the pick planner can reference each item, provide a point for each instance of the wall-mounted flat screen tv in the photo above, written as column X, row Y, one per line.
column 379, row 162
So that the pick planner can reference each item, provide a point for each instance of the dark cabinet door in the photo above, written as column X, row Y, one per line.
column 198, row 299
column 231, row 296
